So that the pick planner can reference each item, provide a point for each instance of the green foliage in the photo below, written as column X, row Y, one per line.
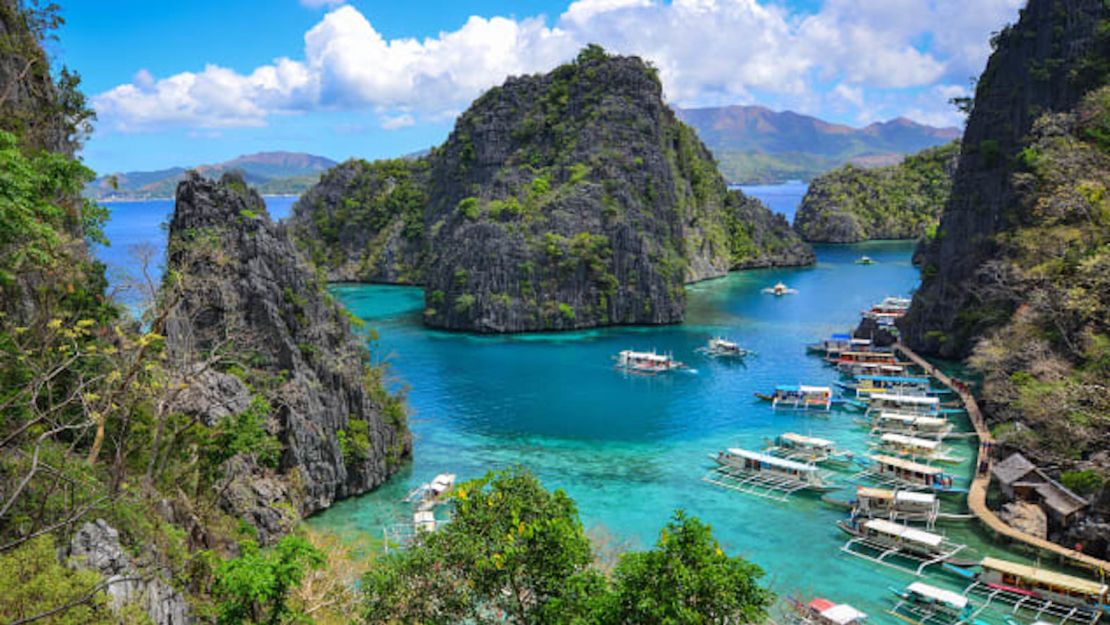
column 245, row 433
column 468, row 207
column 578, row 172
column 37, row 208
column 35, row 582
column 687, row 578
column 567, row 311
column 591, row 53
column 1086, row 482
column 516, row 553
column 464, row 303
column 255, row 587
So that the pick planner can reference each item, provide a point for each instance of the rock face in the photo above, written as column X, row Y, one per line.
column 566, row 200
column 902, row 201
column 1018, row 277
column 1026, row 517
column 1041, row 64
column 96, row 546
column 244, row 287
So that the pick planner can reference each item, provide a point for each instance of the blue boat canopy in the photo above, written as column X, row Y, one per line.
column 843, row 337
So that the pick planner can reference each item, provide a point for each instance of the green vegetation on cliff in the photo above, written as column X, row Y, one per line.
column 902, row 201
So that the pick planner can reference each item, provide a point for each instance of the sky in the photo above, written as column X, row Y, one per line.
column 187, row 82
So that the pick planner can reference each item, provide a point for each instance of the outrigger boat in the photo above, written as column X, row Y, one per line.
column 924, row 604
column 864, row 386
column 891, row 471
column 888, row 539
column 821, row 611
column 833, row 345
column 1059, row 597
column 916, row 448
column 425, row 499
column 918, row 426
column 874, row 368
column 721, row 348
column 889, row 310
column 780, row 289
column 800, row 397
column 765, row 475
column 808, row 449
column 647, row 362
column 923, row 405
column 865, row 260
column 866, row 355
column 896, row 505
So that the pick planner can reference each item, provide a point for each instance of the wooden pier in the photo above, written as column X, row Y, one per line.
column 977, row 494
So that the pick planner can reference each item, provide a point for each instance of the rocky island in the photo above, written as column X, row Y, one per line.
column 567, row 200
column 903, row 201
column 1017, row 279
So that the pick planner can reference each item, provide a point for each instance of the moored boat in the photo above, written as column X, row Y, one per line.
column 809, row 449
column 718, row 347
column 821, row 611
column 907, row 474
column 886, row 539
column 925, row 604
column 913, row 447
column 1056, row 596
column 924, row 405
column 896, row 505
column 766, row 475
column 780, row 289
column 865, row 260
column 800, row 397
column 918, row 426
column 647, row 362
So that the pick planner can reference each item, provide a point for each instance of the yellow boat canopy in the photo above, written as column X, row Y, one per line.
column 1045, row 577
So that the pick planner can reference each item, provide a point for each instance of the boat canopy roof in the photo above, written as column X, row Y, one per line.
column 860, row 341
column 912, row 419
column 950, row 597
column 807, row 440
column 906, row 465
column 921, row 400
column 645, row 355
column 772, row 460
column 897, row 379
column 842, row 614
column 802, row 388
column 1047, row 578
column 874, row 493
column 910, row 441
column 912, row 497
column 905, row 532
column 442, row 482
column 842, row 337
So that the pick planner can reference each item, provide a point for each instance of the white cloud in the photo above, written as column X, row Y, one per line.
column 707, row 51
column 398, row 121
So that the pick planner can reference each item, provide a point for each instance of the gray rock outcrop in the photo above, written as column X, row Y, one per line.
column 96, row 547
column 243, row 286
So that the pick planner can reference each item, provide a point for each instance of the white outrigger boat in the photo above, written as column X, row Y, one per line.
column 879, row 540
column 647, row 362
column 718, row 347
column 800, row 397
column 809, row 449
column 925, row 405
column 864, row 386
column 780, row 289
column 915, row 448
column 425, row 499
column 765, row 475
column 917, row 426
column 1046, row 594
column 925, row 604
column 896, row 505
column 889, row 310
column 907, row 474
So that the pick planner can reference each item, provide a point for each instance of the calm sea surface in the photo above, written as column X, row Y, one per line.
column 631, row 449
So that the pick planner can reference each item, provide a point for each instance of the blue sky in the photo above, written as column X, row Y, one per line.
column 184, row 83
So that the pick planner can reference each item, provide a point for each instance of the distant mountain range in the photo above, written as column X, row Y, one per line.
column 754, row 144
column 270, row 172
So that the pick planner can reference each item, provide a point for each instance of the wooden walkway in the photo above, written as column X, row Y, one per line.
column 977, row 494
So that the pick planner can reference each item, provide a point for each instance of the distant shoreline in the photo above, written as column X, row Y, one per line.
column 122, row 200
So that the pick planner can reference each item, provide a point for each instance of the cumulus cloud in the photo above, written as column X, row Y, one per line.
column 707, row 51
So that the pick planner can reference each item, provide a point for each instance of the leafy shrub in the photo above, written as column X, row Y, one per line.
column 468, row 207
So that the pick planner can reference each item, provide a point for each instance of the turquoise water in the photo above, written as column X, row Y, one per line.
column 631, row 449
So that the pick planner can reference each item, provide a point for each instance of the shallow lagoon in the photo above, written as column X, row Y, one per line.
column 631, row 449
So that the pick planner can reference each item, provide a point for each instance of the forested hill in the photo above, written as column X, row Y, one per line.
column 753, row 144
column 902, row 201
column 1018, row 276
